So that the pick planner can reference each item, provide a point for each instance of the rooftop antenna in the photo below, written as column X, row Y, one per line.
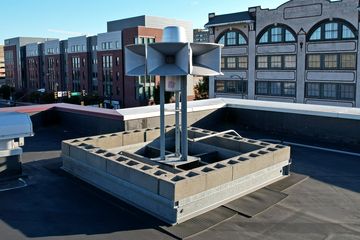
column 174, row 60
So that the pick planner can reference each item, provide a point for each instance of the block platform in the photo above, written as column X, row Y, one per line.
column 123, row 165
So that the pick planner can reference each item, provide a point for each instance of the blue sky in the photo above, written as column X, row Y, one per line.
column 66, row 18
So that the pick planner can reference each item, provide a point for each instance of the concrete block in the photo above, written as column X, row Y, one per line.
column 262, row 159
column 67, row 163
column 102, row 141
column 152, row 134
column 241, row 168
column 77, row 152
column 134, row 172
column 90, row 140
column 115, row 140
column 65, row 148
column 133, row 137
column 282, row 153
column 141, row 175
column 180, row 186
column 97, row 158
column 217, row 175
column 119, row 168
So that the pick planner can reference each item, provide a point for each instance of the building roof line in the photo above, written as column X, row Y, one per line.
column 227, row 23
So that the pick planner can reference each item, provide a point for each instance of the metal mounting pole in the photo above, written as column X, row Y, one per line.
column 162, row 118
column 184, row 131
column 177, row 124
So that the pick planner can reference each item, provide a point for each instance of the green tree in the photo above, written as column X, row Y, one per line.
column 6, row 91
column 201, row 89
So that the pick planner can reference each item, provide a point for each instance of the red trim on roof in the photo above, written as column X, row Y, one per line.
column 64, row 107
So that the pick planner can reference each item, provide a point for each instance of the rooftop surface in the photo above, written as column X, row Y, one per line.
column 56, row 205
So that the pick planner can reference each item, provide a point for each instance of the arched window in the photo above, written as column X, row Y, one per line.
column 232, row 38
column 335, row 29
column 276, row 34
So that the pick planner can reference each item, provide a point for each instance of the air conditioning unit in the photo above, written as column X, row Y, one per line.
column 14, row 127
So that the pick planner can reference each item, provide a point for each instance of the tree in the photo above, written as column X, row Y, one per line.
column 6, row 91
column 168, row 95
column 201, row 89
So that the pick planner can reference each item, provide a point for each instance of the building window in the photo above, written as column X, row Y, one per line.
column 220, row 86
column 232, row 38
column 231, row 86
column 314, row 61
column 316, row 35
column 290, row 61
column 289, row 37
column 347, row 33
column 330, row 61
column 231, row 63
column 275, row 88
column 347, row 91
column 332, row 30
column 276, row 62
column 262, row 62
column 145, row 88
column 223, row 66
column 107, row 62
column 348, row 61
column 222, row 40
column 276, row 34
column 262, row 88
column 289, row 89
column 313, row 90
column 331, row 91
column 242, row 62
column 339, row 61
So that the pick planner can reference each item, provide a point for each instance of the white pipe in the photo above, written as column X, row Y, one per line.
column 214, row 135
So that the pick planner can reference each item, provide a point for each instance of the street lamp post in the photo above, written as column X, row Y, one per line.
column 241, row 84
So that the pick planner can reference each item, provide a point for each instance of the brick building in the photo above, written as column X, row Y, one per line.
column 2, row 65
column 91, row 64
column 15, row 60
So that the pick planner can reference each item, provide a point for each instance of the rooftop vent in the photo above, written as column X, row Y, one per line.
column 14, row 127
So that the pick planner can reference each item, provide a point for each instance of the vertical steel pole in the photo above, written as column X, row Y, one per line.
column 184, row 130
column 177, row 124
column 162, row 118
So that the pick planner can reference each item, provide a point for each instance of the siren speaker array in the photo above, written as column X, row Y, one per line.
column 173, row 59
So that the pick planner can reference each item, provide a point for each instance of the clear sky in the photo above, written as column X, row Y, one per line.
column 66, row 18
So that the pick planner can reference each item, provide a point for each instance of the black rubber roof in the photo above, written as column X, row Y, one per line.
column 229, row 18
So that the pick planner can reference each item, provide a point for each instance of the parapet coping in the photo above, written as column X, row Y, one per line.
column 196, row 106
column 218, row 103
